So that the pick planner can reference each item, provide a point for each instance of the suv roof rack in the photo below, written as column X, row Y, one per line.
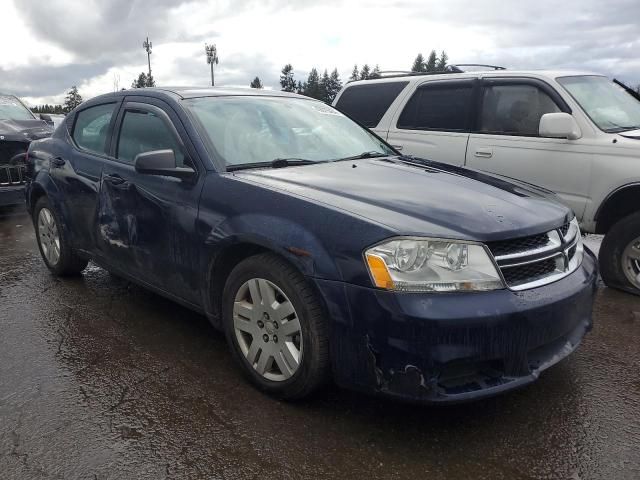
column 493, row 67
column 454, row 68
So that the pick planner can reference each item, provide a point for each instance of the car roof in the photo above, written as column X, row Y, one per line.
column 418, row 78
column 178, row 93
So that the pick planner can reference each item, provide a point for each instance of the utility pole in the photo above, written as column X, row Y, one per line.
column 147, row 46
column 212, row 58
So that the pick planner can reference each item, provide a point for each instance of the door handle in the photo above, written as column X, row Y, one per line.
column 58, row 162
column 484, row 153
column 114, row 179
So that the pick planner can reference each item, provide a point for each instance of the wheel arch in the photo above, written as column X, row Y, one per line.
column 620, row 203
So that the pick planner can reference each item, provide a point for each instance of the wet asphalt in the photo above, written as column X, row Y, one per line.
column 100, row 379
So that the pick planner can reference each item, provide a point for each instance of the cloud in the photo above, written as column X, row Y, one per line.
column 59, row 43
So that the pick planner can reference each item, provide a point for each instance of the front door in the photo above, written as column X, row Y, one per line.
column 435, row 122
column 137, row 211
column 507, row 141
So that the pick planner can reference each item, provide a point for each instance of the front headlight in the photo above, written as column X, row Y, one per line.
column 431, row 265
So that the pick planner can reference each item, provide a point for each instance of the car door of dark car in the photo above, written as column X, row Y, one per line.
column 76, row 169
column 137, row 212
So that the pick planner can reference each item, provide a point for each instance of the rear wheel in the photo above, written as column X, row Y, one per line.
column 56, row 252
column 620, row 255
column 275, row 327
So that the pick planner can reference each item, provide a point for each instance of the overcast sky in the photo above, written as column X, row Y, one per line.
column 46, row 46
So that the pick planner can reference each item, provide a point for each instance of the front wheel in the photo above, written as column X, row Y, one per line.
column 56, row 252
column 620, row 255
column 275, row 327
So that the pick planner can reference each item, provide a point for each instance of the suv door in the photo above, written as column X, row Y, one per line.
column 436, row 120
column 76, row 170
column 138, row 212
column 507, row 140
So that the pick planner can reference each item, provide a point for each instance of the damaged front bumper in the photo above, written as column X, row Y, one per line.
column 458, row 346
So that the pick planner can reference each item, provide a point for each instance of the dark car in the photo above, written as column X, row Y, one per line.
column 318, row 249
column 18, row 127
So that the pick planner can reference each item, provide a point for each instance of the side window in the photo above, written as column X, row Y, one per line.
column 514, row 109
column 439, row 106
column 368, row 103
column 143, row 131
column 92, row 127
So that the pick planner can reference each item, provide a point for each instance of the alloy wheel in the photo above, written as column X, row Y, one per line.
column 267, row 329
column 49, row 236
column 631, row 262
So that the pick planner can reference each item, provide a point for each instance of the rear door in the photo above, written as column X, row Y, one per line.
column 507, row 140
column 436, row 120
column 138, row 212
column 76, row 170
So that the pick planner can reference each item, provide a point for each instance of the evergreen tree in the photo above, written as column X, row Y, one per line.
column 150, row 81
column 256, row 83
column 333, row 86
column 324, row 87
column 432, row 62
column 312, row 85
column 140, row 82
column 375, row 73
column 301, row 87
column 355, row 74
column 442, row 62
column 287, row 82
column 72, row 100
column 418, row 64
column 365, row 72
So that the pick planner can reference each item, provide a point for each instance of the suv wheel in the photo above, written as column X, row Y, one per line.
column 620, row 255
column 275, row 327
column 54, row 247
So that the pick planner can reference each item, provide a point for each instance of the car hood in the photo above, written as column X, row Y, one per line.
column 425, row 198
column 25, row 130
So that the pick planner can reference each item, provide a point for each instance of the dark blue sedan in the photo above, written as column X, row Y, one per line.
column 319, row 250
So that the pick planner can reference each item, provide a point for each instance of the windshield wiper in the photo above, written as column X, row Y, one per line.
column 275, row 163
column 372, row 154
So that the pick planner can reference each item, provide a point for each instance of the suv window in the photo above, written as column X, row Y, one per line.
column 368, row 103
column 143, row 131
column 92, row 127
column 439, row 106
column 514, row 109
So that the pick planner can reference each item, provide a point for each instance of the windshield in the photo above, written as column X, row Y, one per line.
column 247, row 130
column 610, row 107
column 12, row 109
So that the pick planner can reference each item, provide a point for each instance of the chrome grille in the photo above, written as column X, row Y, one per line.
column 536, row 260
column 11, row 175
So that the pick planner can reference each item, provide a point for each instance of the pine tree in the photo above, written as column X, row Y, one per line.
column 301, row 87
column 72, row 100
column 312, row 85
column 140, row 82
column 432, row 62
column 442, row 62
column 150, row 81
column 256, row 83
column 375, row 73
column 333, row 86
column 324, row 87
column 355, row 74
column 287, row 82
column 418, row 64
column 365, row 72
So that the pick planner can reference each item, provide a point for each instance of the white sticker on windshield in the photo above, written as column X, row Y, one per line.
column 326, row 110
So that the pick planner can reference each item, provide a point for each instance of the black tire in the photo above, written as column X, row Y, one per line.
column 313, row 370
column 612, row 263
column 68, row 263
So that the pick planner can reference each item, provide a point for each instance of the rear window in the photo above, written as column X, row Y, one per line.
column 441, row 106
column 368, row 103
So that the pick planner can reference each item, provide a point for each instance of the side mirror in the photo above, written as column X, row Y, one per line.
column 161, row 162
column 559, row 125
column 46, row 118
